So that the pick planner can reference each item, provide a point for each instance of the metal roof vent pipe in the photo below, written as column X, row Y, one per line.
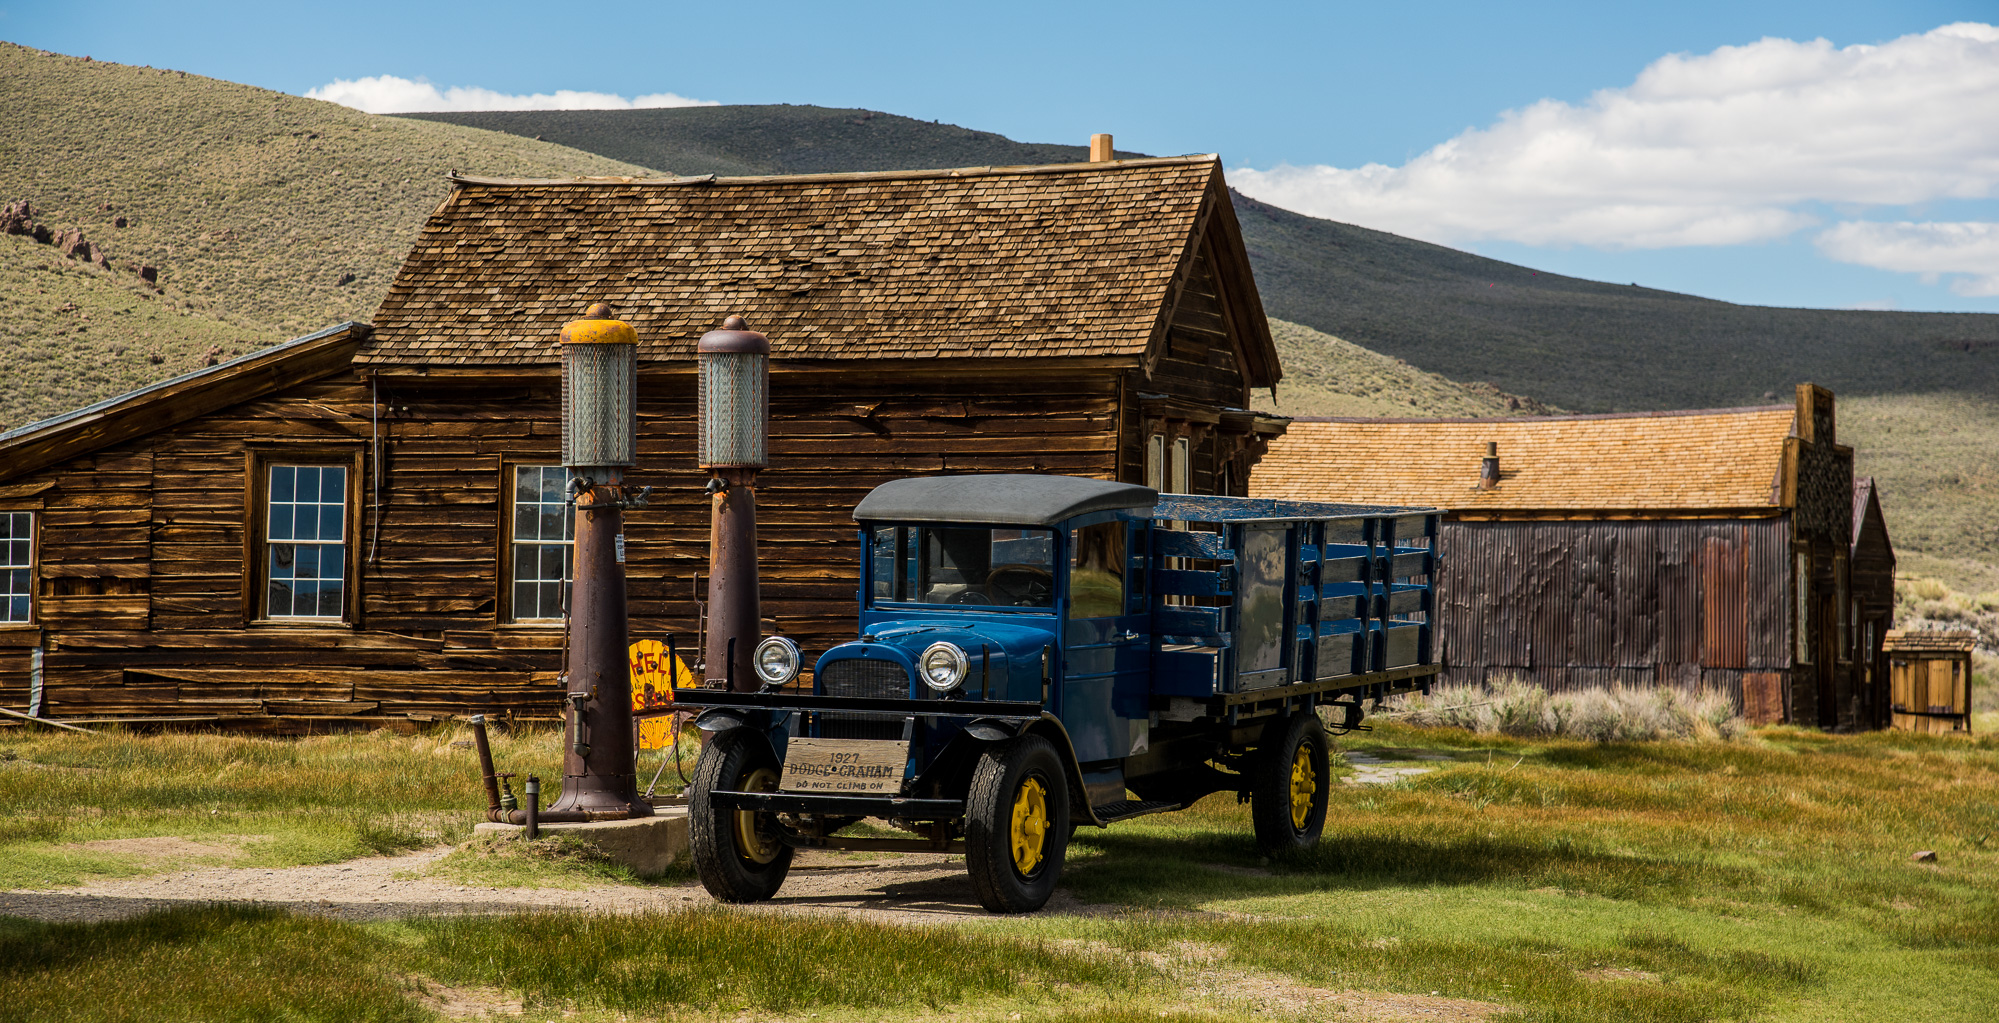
column 1100, row 148
column 734, row 387
column 1488, row 467
column 599, row 442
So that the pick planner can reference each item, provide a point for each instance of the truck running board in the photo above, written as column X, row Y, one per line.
column 1111, row 813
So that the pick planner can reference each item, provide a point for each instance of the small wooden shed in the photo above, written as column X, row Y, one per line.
column 1709, row 548
column 1929, row 678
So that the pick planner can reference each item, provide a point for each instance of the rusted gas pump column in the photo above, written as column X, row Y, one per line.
column 734, row 365
column 599, row 441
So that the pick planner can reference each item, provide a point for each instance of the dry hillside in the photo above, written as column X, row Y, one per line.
column 267, row 214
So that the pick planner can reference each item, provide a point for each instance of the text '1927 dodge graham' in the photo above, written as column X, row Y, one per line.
column 1039, row 653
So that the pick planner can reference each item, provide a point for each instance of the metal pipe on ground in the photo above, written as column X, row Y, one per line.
column 486, row 766
column 533, row 812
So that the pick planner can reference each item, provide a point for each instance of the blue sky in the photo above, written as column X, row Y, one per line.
column 1755, row 166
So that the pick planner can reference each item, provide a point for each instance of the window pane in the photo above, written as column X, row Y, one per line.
column 527, row 484
column 551, row 524
column 308, row 486
column 553, row 478
column 330, row 516
column 281, row 522
column 281, row 560
column 18, row 553
column 279, row 601
column 552, row 562
column 308, row 562
column 281, row 483
column 17, row 609
column 305, row 522
column 333, row 483
column 525, row 520
column 331, row 594
column 333, row 561
column 551, row 600
column 524, row 600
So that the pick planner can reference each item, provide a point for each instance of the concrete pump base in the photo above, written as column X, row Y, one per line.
column 648, row 845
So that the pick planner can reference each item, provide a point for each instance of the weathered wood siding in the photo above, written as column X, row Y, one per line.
column 144, row 608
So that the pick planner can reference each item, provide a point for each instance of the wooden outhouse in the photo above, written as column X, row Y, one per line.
column 369, row 521
column 1706, row 548
column 1929, row 678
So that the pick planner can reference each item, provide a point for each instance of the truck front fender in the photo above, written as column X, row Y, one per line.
column 1049, row 727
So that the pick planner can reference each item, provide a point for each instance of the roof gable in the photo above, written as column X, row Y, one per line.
column 1063, row 260
column 179, row 399
column 1718, row 459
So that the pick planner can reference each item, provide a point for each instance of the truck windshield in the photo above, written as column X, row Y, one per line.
column 964, row 566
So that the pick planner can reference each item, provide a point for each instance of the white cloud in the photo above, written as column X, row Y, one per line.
column 1968, row 250
column 1722, row 148
column 387, row 94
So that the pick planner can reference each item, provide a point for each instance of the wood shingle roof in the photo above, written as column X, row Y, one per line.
column 1710, row 460
column 1063, row 260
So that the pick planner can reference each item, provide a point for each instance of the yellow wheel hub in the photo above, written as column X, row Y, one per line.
column 1303, row 784
column 751, row 842
column 1030, row 825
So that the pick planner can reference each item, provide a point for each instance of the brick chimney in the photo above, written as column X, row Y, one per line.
column 1100, row 149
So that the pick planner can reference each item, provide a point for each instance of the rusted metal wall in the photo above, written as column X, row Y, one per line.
column 1596, row 603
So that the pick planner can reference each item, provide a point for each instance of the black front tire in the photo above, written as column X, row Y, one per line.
column 1289, row 784
column 1017, row 824
column 736, row 853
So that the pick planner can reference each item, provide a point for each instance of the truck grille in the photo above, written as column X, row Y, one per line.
column 863, row 677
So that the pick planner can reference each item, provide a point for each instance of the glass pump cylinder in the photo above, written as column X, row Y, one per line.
column 600, row 378
column 734, row 366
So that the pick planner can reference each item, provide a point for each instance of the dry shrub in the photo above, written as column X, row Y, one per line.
column 1618, row 714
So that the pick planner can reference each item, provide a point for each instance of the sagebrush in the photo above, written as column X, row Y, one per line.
column 1618, row 714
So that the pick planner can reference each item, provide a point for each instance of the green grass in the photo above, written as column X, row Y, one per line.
column 266, row 802
column 1766, row 878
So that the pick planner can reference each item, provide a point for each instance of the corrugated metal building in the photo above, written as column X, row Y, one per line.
column 1707, row 548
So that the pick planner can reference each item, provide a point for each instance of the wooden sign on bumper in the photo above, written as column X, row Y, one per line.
column 844, row 765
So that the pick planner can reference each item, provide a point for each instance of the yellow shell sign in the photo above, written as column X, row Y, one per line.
column 653, row 681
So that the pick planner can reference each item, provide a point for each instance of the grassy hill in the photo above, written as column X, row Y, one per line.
column 72, row 333
column 268, row 215
column 1326, row 376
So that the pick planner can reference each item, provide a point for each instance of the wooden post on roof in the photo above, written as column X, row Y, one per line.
column 1100, row 148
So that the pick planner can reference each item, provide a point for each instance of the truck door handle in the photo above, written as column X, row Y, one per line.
column 1128, row 636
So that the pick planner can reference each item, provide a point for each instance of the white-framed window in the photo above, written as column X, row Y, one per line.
column 305, row 541
column 1182, row 466
column 17, row 566
column 1155, row 462
column 543, row 541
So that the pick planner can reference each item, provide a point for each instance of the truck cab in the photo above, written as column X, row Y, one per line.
column 1043, row 652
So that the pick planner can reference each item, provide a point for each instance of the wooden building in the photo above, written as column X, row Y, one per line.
column 1929, row 679
column 369, row 520
column 1710, row 548
column 1871, row 572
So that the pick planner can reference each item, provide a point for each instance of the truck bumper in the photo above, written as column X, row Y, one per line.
column 839, row 805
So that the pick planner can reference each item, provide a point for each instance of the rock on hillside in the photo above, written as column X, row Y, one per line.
column 72, row 332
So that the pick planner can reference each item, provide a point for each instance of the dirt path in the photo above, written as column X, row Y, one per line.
column 907, row 888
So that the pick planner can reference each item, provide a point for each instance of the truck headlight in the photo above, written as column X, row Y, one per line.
column 942, row 666
column 777, row 661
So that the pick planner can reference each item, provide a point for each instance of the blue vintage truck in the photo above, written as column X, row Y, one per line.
column 1043, row 652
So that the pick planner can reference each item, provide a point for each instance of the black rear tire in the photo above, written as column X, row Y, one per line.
column 1017, row 824
column 736, row 853
column 1288, row 788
